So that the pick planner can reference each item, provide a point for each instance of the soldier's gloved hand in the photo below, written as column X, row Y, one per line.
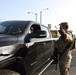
column 62, row 33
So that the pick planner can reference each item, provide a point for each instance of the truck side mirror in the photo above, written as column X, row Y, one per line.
column 38, row 34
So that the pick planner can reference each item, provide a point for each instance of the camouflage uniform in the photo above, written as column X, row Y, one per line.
column 65, row 60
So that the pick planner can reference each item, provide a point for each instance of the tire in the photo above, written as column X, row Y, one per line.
column 8, row 72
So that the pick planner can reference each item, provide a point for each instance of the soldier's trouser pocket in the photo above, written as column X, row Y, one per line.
column 64, row 65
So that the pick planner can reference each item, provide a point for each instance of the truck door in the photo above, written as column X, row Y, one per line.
column 34, row 52
column 48, row 44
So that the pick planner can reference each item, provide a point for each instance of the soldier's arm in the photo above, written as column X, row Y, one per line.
column 66, row 36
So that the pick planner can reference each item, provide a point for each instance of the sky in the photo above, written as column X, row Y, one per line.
column 58, row 11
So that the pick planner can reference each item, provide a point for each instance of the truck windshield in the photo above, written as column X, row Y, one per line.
column 12, row 27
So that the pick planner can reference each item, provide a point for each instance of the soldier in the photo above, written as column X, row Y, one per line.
column 64, row 39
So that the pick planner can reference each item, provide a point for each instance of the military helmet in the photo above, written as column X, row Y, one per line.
column 64, row 24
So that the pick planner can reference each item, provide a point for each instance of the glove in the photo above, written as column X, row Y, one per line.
column 62, row 33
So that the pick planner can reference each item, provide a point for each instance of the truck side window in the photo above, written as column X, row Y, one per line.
column 34, row 28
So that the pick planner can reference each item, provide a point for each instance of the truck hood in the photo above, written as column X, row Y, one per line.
column 7, row 39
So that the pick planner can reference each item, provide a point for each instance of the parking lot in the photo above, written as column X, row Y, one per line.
column 51, row 70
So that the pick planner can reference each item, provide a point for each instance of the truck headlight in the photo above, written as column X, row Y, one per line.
column 7, row 49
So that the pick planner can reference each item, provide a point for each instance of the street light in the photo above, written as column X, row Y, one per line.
column 41, row 15
column 35, row 15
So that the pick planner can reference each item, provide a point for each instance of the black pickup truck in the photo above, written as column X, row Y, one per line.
column 22, row 52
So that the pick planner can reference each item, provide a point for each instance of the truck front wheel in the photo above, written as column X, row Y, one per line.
column 8, row 72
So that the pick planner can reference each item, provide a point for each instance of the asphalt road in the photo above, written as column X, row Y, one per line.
column 51, row 70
